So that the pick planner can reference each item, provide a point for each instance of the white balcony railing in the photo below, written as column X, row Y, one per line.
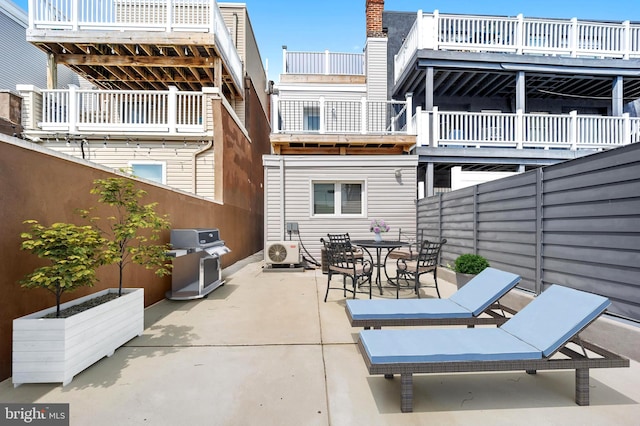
column 75, row 111
column 519, row 35
column 139, row 15
column 328, row 116
column 518, row 130
column 325, row 63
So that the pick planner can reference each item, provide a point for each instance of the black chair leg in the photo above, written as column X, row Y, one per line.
column 328, row 284
column 417, row 285
column 435, row 280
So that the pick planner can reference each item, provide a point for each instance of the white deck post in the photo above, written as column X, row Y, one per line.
column 172, row 111
column 626, row 40
column 323, row 117
column 519, row 128
column 573, row 38
column 275, row 108
column 520, row 34
column 75, row 7
column 326, row 62
column 408, row 111
column 573, row 136
column 170, row 15
column 72, row 113
column 626, row 129
column 435, row 128
column 363, row 115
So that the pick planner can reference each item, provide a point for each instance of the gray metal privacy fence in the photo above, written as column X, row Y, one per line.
column 576, row 224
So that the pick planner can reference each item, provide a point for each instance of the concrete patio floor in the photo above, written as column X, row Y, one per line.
column 265, row 350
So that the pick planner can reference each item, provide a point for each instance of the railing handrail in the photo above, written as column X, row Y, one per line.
column 162, row 111
column 123, row 15
column 332, row 115
column 525, row 130
column 323, row 63
column 519, row 35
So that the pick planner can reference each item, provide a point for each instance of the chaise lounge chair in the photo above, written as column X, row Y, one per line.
column 464, row 307
column 528, row 342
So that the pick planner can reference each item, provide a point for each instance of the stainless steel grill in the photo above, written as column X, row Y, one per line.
column 196, row 263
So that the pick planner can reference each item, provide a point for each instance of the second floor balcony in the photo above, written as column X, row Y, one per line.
column 164, row 113
column 524, row 130
column 139, row 44
column 519, row 35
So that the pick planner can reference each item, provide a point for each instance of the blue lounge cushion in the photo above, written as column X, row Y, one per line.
column 484, row 289
column 444, row 345
column 405, row 308
column 471, row 300
column 555, row 316
column 538, row 330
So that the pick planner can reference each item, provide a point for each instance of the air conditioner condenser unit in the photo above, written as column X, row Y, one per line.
column 282, row 253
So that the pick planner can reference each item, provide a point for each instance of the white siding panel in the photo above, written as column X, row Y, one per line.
column 376, row 64
column 177, row 157
column 387, row 197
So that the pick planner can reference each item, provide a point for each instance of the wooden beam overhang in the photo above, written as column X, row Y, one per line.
column 284, row 144
column 140, row 60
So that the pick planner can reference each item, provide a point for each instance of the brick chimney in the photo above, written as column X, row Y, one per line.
column 374, row 10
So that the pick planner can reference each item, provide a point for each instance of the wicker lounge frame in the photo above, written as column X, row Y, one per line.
column 527, row 342
column 576, row 361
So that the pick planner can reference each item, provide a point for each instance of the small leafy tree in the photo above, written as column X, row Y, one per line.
column 74, row 252
column 132, row 229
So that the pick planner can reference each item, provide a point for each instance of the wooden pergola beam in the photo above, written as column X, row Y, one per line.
column 135, row 61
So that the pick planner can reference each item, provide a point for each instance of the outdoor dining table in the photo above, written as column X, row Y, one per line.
column 379, row 246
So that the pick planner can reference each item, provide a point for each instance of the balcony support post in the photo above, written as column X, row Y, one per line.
column 428, row 89
column 617, row 96
column 422, row 130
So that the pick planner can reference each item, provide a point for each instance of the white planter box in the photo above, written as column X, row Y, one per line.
column 52, row 350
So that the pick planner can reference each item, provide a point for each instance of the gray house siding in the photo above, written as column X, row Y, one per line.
column 387, row 197
column 574, row 224
column 20, row 61
column 376, row 71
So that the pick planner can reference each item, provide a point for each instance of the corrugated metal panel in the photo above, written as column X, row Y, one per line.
column 387, row 197
column 575, row 224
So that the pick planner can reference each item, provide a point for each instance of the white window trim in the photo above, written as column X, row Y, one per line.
column 154, row 163
column 338, row 198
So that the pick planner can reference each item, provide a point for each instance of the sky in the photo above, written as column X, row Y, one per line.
column 339, row 25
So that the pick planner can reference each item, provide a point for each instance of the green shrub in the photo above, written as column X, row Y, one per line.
column 470, row 264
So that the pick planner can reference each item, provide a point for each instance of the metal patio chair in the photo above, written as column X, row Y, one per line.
column 427, row 261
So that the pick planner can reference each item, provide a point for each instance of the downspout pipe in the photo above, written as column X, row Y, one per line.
column 282, row 203
column 194, row 163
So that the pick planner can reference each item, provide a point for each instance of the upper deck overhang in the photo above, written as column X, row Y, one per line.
column 493, row 75
column 140, row 60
